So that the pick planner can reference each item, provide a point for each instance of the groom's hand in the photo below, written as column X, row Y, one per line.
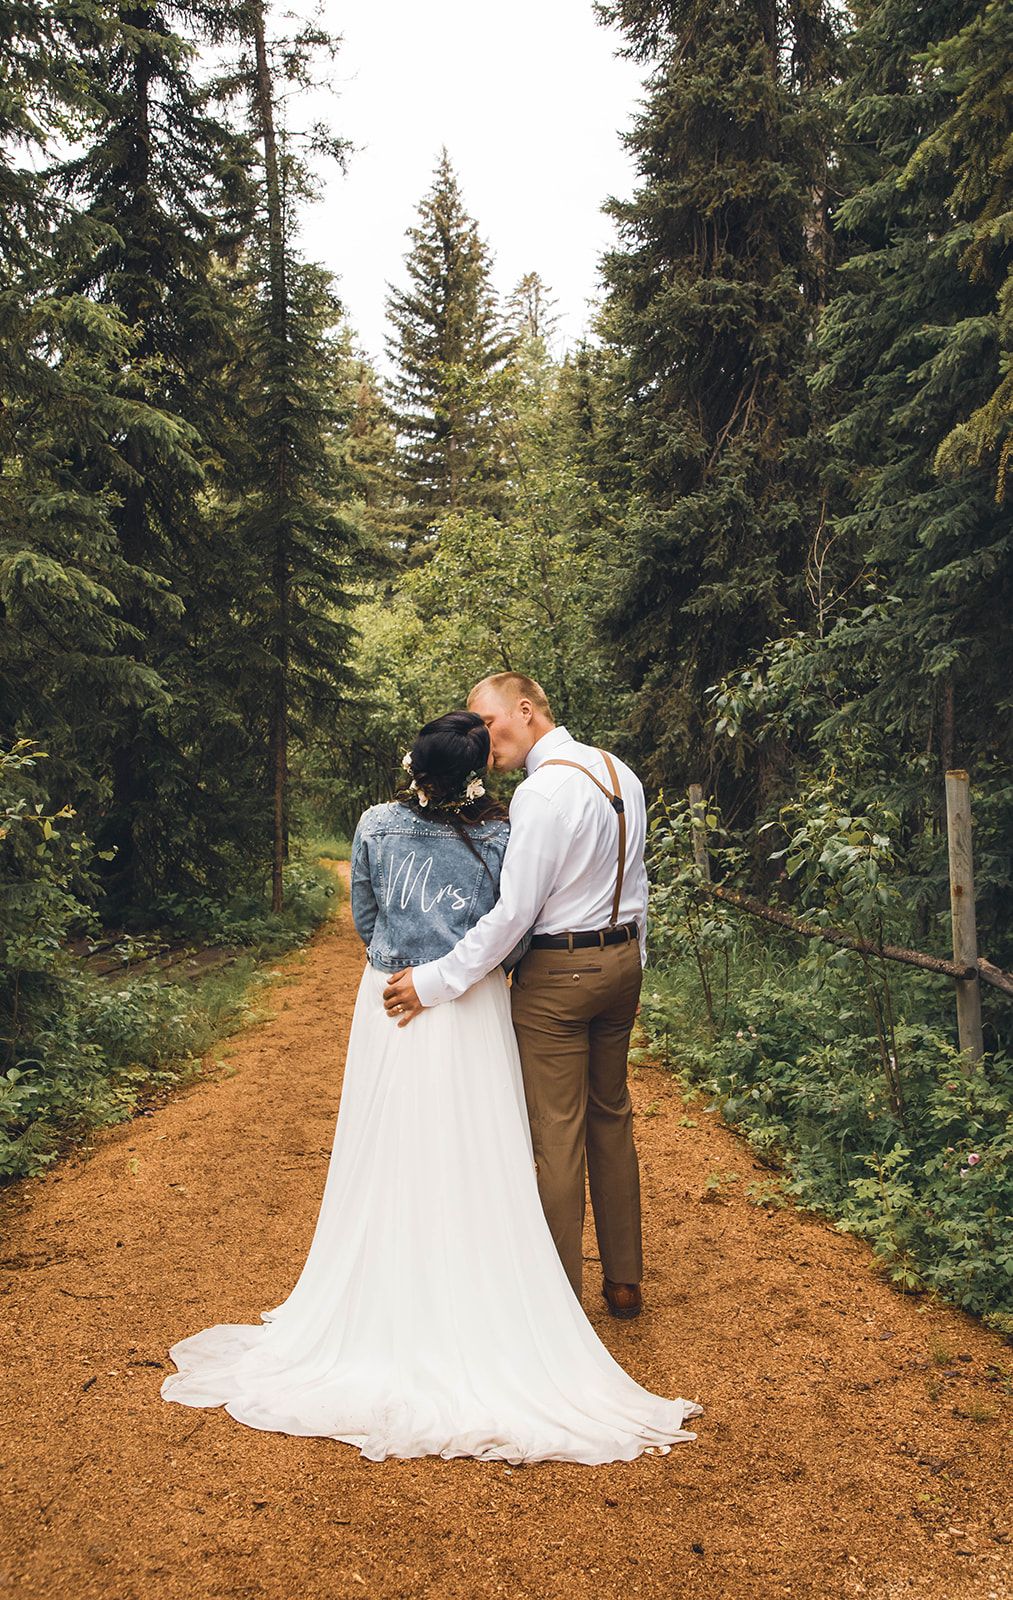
column 400, row 999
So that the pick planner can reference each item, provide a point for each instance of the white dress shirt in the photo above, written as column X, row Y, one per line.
column 560, row 867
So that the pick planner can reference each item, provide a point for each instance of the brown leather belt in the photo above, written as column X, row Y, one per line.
column 585, row 941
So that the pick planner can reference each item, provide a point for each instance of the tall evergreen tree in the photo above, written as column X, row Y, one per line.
column 67, row 650
column 973, row 145
column 164, row 177
column 68, row 672
column 530, row 311
column 447, row 343
column 302, row 548
column 712, row 298
column 913, row 362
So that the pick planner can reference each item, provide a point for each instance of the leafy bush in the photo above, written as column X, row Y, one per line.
column 106, row 1044
column 843, row 1074
column 77, row 1051
column 246, row 920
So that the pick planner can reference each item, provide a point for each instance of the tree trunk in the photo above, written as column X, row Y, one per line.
column 264, row 104
column 131, row 517
column 279, row 742
column 280, row 576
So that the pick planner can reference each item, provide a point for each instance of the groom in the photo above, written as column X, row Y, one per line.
column 574, row 873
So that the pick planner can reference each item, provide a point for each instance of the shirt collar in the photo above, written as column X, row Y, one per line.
column 543, row 748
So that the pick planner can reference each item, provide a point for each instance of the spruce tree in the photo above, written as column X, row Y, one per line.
column 972, row 147
column 530, row 311
column 712, row 298
column 446, row 345
column 289, row 515
column 913, row 362
column 162, row 178
column 69, row 675
column 68, row 667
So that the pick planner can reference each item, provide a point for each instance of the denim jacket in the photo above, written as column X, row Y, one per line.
column 417, row 888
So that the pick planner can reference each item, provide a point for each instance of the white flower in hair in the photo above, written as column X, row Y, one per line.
column 475, row 790
column 406, row 761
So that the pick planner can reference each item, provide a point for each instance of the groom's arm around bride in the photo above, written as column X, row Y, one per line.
column 574, row 874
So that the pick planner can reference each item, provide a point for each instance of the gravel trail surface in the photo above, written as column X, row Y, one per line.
column 853, row 1442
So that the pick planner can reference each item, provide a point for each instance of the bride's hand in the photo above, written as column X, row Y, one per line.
column 399, row 998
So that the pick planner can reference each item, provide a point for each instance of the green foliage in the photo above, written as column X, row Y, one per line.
column 932, row 1194
column 68, row 652
column 157, row 184
column 81, row 1051
column 446, row 343
column 711, row 308
column 98, row 1053
column 971, row 148
column 151, row 401
column 246, row 920
column 910, row 351
column 686, row 925
column 798, row 712
column 40, row 870
column 838, row 1072
column 518, row 591
column 841, row 862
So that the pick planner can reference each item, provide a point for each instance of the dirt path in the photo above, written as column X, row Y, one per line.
column 853, row 1442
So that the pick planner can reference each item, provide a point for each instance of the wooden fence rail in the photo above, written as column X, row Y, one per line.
column 890, row 952
column 967, row 967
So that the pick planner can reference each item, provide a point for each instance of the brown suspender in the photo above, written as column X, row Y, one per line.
column 615, row 800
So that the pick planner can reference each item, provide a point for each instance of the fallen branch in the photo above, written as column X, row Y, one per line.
column 995, row 976
column 890, row 952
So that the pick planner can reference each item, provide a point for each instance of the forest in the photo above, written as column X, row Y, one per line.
column 753, row 534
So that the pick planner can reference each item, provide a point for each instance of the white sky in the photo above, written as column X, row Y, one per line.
column 529, row 99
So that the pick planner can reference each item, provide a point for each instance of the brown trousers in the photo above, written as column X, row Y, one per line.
column 573, row 1013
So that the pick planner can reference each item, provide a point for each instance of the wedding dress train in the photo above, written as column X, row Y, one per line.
column 432, row 1316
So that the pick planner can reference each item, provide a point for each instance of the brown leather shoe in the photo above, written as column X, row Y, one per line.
column 622, row 1299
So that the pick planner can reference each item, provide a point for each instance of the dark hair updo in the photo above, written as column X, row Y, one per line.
column 443, row 758
column 447, row 750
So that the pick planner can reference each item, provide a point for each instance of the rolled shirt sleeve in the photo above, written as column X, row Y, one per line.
column 538, row 841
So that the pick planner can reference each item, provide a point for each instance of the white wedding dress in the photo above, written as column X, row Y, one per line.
column 433, row 1316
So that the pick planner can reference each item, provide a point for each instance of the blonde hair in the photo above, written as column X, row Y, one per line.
column 513, row 686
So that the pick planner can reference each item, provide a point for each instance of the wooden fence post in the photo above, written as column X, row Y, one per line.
column 699, row 822
column 965, row 936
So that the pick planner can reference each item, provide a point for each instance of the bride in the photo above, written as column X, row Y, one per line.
column 433, row 1315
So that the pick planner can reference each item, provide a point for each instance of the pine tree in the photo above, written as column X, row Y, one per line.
column 913, row 361
column 530, row 311
column 163, row 179
column 447, row 344
column 303, row 550
column 712, row 299
column 972, row 146
column 68, row 668
column 68, row 671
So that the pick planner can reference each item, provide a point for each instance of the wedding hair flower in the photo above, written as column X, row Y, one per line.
column 473, row 789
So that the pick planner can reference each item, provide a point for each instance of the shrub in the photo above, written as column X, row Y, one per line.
column 840, row 1071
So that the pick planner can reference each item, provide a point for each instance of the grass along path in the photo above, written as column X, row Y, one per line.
column 853, row 1442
